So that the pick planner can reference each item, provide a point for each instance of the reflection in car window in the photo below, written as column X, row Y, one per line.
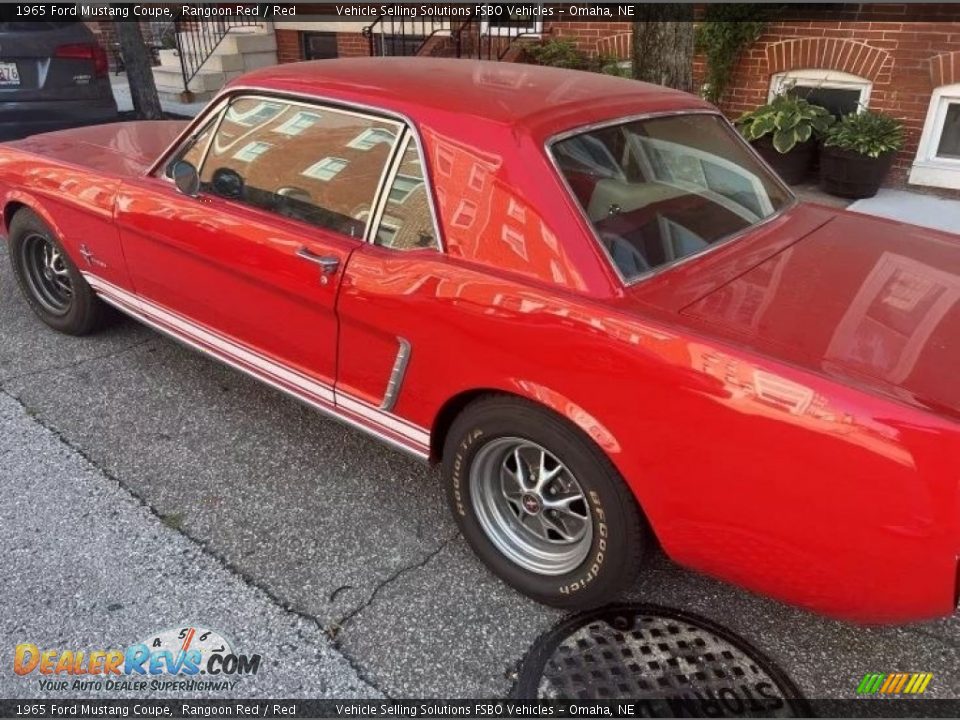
column 192, row 150
column 664, row 188
column 406, row 223
column 300, row 162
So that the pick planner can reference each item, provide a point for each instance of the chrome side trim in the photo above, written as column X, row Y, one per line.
column 393, row 430
column 571, row 196
column 312, row 100
column 396, row 375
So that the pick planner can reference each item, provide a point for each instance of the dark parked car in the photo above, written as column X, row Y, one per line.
column 53, row 75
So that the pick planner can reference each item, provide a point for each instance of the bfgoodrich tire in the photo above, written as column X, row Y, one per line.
column 541, row 505
column 50, row 282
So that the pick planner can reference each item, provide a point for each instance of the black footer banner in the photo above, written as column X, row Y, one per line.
column 672, row 707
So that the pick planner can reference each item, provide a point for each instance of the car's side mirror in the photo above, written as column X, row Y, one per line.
column 186, row 179
column 227, row 183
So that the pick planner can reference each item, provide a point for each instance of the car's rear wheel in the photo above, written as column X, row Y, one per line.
column 48, row 279
column 541, row 504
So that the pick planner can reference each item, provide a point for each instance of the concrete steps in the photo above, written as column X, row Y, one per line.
column 242, row 49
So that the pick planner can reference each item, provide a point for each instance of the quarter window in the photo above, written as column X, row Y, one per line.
column 407, row 223
column 299, row 161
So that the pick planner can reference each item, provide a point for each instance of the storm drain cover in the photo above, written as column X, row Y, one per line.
column 677, row 663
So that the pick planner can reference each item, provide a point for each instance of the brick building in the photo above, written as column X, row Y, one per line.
column 901, row 59
column 898, row 58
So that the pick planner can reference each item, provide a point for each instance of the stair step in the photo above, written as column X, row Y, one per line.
column 233, row 42
column 204, row 81
column 178, row 97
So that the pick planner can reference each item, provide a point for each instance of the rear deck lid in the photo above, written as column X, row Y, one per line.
column 867, row 300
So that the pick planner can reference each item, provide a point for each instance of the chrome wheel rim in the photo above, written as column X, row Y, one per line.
column 46, row 273
column 530, row 506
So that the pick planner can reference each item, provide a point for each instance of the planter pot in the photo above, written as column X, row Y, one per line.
column 852, row 175
column 794, row 166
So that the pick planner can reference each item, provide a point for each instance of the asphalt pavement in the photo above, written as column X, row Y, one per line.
column 137, row 473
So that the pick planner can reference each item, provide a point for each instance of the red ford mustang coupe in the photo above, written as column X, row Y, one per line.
column 585, row 296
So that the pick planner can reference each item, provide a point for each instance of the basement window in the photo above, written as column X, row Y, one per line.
column 839, row 92
column 938, row 157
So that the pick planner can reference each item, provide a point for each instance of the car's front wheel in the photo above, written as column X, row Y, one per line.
column 50, row 282
column 541, row 505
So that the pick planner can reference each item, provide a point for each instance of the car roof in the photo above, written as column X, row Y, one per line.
column 543, row 100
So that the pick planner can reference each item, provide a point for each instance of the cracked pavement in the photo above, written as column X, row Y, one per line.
column 308, row 523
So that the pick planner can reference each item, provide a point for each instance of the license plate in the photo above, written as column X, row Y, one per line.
column 9, row 75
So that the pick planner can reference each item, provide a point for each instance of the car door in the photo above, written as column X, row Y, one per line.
column 249, row 269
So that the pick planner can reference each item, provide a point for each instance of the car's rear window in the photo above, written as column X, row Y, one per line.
column 663, row 188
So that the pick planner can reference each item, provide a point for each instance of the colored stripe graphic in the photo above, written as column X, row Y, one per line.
column 894, row 683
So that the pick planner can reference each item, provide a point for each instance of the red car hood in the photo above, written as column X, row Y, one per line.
column 871, row 301
column 121, row 149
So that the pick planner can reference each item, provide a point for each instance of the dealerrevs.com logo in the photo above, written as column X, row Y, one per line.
column 198, row 659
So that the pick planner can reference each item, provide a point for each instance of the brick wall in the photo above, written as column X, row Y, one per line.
column 585, row 34
column 905, row 61
column 352, row 45
column 288, row 46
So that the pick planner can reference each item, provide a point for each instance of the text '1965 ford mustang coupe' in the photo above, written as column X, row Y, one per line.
column 585, row 296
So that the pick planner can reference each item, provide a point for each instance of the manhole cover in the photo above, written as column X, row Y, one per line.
column 682, row 664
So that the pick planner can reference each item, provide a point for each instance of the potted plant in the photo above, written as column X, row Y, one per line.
column 784, row 132
column 857, row 153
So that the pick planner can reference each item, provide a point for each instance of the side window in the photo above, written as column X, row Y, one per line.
column 314, row 164
column 406, row 223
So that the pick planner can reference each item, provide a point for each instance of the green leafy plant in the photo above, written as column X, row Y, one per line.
column 868, row 133
column 722, row 36
column 559, row 53
column 790, row 120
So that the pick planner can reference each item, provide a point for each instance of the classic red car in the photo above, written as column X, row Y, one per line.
column 586, row 296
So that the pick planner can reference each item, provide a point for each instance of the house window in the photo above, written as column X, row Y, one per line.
column 298, row 123
column 369, row 138
column 839, row 92
column 326, row 169
column 403, row 187
column 251, row 151
column 319, row 45
column 938, row 157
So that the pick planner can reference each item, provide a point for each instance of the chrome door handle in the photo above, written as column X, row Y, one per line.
column 328, row 263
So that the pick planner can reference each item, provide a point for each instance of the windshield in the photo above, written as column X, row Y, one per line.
column 661, row 189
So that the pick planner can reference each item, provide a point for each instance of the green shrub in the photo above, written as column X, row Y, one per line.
column 867, row 133
column 788, row 119
column 559, row 53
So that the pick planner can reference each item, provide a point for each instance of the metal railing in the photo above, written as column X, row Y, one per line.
column 197, row 39
column 468, row 38
column 405, row 37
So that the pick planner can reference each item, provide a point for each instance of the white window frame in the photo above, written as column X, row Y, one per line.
column 412, row 181
column 319, row 171
column 928, row 169
column 823, row 78
column 368, row 139
column 289, row 127
column 251, row 151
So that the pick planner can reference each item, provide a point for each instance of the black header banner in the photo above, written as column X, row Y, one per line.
column 554, row 12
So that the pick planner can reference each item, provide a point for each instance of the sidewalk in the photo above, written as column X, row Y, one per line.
column 911, row 207
column 87, row 566
column 907, row 206
column 121, row 93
